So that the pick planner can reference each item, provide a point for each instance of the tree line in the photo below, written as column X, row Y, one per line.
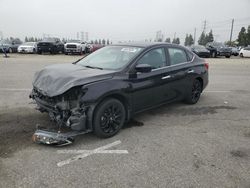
column 242, row 40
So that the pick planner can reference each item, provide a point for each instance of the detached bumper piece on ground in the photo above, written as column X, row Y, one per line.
column 53, row 137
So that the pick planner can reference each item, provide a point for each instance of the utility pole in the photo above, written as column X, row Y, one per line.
column 194, row 35
column 232, row 26
column 205, row 26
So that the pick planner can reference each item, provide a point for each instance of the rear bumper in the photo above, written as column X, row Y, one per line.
column 224, row 53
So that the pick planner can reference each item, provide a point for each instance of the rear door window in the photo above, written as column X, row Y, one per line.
column 177, row 56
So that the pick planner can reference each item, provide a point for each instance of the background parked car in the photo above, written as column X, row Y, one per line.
column 27, row 47
column 218, row 49
column 75, row 47
column 245, row 52
column 96, row 47
column 51, row 45
column 200, row 50
column 10, row 45
column 235, row 51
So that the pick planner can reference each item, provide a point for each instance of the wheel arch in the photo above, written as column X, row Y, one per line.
column 123, row 99
column 201, row 81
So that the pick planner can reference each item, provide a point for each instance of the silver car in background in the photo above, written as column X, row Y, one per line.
column 27, row 47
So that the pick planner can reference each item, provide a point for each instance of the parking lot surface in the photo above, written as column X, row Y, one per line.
column 176, row 145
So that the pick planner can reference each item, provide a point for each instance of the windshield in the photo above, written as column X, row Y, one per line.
column 74, row 41
column 110, row 57
column 218, row 44
column 48, row 40
column 199, row 47
column 29, row 43
column 4, row 41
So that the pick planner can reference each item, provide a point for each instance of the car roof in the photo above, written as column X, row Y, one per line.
column 145, row 44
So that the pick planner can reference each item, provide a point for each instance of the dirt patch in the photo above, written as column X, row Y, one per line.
column 247, row 134
column 240, row 153
column 17, row 127
column 205, row 110
column 133, row 123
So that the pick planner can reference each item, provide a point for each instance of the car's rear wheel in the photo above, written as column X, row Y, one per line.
column 228, row 56
column 241, row 55
column 109, row 118
column 195, row 92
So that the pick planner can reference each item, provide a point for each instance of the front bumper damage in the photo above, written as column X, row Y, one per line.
column 70, row 118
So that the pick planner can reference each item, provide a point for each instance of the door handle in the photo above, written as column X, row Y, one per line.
column 190, row 71
column 166, row 77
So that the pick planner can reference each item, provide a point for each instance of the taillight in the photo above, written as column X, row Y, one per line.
column 206, row 65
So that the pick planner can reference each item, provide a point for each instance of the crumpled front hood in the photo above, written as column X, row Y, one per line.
column 56, row 79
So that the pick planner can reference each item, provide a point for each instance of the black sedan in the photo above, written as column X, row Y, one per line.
column 200, row 50
column 103, row 90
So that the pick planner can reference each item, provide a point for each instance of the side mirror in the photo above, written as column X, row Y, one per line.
column 143, row 68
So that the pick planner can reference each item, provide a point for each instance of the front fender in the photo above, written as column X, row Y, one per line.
column 97, row 91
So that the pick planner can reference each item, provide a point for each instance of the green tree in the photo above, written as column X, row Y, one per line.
column 26, row 39
column 202, row 39
column 96, row 41
column 210, row 36
column 242, row 37
column 186, row 43
column 176, row 41
column 107, row 41
column 191, row 40
column 168, row 40
column 103, row 42
column 100, row 41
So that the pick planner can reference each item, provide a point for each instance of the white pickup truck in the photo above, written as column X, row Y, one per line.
column 75, row 47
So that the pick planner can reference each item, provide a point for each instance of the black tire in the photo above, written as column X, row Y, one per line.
column 213, row 54
column 241, row 55
column 228, row 56
column 39, row 52
column 109, row 117
column 66, row 53
column 194, row 93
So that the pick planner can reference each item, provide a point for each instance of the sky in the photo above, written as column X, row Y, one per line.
column 122, row 20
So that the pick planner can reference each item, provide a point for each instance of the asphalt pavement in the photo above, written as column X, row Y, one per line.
column 176, row 145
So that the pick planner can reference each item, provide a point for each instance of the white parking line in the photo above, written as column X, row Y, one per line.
column 15, row 89
column 85, row 153
column 217, row 91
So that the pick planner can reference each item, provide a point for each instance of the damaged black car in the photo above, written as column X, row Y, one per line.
column 102, row 91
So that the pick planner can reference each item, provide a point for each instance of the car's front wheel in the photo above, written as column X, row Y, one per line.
column 109, row 118
column 241, row 55
column 195, row 92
